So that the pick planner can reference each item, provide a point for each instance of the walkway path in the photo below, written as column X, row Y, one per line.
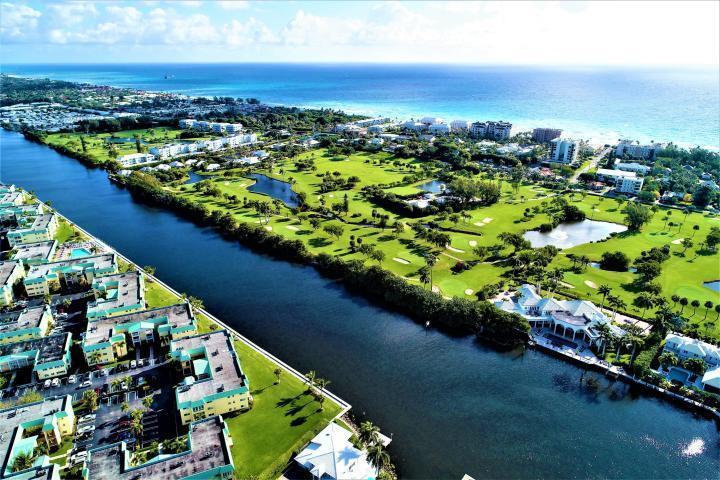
column 593, row 163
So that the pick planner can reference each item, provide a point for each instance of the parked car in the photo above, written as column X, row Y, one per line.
column 86, row 384
column 123, row 386
column 72, row 379
column 89, row 416
column 55, row 382
column 86, row 429
column 78, row 458
column 47, row 383
column 133, row 364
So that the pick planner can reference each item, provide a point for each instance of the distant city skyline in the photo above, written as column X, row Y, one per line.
column 510, row 33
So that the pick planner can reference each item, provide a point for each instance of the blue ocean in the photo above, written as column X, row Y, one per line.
column 601, row 104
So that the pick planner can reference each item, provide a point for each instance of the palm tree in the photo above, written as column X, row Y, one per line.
column 668, row 359
column 148, row 401
column 136, row 427
column 662, row 319
column 277, row 372
column 604, row 290
column 22, row 461
column 90, row 397
column 717, row 310
column 634, row 338
column 695, row 304
column 368, row 433
column 322, row 383
column 695, row 230
column 683, row 303
column 708, row 305
column 430, row 261
column 124, row 407
column 616, row 303
column 425, row 275
column 377, row 456
column 644, row 301
column 310, row 376
column 606, row 336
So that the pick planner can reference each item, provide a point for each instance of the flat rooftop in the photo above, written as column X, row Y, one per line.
column 97, row 261
column 616, row 173
column 102, row 329
column 209, row 451
column 39, row 251
column 121, row 290
column 223, row 365
column 6, row 269
column 22, row 319
column 51, row 348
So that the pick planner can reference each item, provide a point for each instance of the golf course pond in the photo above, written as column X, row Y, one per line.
column 568, row 235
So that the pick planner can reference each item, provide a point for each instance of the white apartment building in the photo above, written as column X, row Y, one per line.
column 495, row 130
column 624, row 182
column 633, row 167
column 633, row 149
column 431, row 120
column 439, row 128
column 136, row 159
column 563, row 150
column 414, row 126
column 460, row 125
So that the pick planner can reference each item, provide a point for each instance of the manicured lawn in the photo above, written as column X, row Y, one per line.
column 157, row 296
column 64, row 232
column 96, row 145
column 283, row 418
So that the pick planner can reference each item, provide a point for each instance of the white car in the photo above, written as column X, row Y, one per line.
column 86, row 384
column 55, row 382
column 72, row 379
column 123, row 386
column 88, row 417
column 141, row 363
column 78, row 458
column 86, row 429
column 47, row 383
column 133, row 364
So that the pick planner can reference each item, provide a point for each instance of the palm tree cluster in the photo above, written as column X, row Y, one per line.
column 317, row 386
column 369, row 437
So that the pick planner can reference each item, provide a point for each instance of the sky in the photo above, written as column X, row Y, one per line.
column 518, row 33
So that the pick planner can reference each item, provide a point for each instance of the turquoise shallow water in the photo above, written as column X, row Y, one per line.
column 599, row 103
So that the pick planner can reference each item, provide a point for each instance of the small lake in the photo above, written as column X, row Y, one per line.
column 275, row 189
column 568, row 235
column 713, row 285
column 194, row 177
column 433, row 186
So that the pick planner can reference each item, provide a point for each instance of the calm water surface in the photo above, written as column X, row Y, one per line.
column 453, row 406
column 274, row 188
column 567, row 235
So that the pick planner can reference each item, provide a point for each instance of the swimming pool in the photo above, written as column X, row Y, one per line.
column 80, row 253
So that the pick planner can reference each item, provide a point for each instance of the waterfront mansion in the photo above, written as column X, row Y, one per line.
column 685, row 348
column 571, row 319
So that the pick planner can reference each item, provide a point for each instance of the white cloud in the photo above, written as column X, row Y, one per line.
column 638, row 33
column 17, row 22
column 232, row 4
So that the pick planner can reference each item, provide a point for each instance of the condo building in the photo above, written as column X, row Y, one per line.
column 622, row 181
column 49, row 357
column 27, row 324
column 545, row 135
column 106, row 339
column 42, row 228
column 633, row 149
column 44, row 278
column 213, row 381
column 117, row 294
column 25, row 427
column 563, row 150
column 11, row 272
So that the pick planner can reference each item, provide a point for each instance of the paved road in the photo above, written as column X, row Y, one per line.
column 593, row 163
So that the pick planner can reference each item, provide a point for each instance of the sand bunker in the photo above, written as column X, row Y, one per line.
column 678, row 241
column 290, row 227
column 453, row 249
column 436, row 289
column 487, row 220
column 591, row 284
column 479, row 224
column 469, row 291
column 472, row 243
column 401, row 260
column 268, row 228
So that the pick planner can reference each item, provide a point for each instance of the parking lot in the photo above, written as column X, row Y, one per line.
column 112, row 425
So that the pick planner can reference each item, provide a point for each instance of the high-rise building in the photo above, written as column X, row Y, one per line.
column 563, row 150
column 544, row 135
